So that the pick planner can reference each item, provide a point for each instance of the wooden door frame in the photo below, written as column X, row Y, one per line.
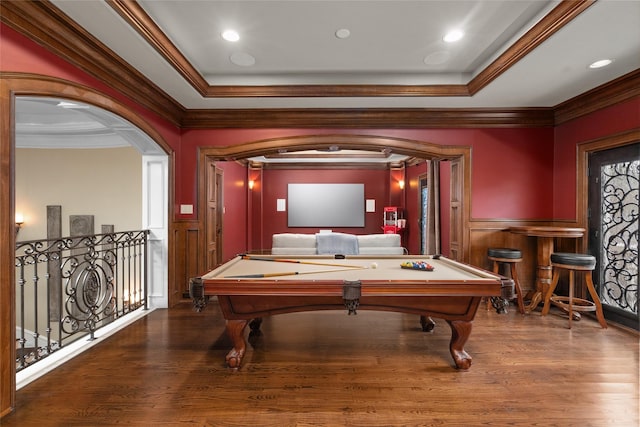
column 208, row 170
column 582, row 188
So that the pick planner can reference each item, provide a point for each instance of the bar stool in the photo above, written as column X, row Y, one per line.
column 573, row 263
column 509, row 257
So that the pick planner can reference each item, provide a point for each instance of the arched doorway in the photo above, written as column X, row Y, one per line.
column 157, row 175
column 458, row 156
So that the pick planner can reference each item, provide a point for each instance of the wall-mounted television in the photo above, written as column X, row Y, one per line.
column 326, row 205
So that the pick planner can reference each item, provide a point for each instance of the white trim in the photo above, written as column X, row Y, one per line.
column 67, row 353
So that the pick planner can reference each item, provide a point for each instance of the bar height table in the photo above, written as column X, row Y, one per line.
column 545, row 236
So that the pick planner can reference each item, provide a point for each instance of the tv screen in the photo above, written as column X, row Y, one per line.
column 326, row 205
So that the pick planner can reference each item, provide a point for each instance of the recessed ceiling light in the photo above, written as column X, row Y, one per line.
column 453, row 36
column 242, row 59
column 601, row 63
column 343, row 33
column 230, row 35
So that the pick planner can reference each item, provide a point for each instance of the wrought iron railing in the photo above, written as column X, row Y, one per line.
column 70, row 287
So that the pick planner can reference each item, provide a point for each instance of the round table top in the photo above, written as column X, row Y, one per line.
column 548, row 231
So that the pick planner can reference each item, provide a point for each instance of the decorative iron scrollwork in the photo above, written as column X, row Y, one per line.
column 619, row 250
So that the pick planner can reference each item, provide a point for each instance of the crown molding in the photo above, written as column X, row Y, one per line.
column 49, row 27
column 46, row 25
column 396, row 118
column 614, row 92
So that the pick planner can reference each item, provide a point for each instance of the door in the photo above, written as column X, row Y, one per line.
column 613, row 230
column 213, row 217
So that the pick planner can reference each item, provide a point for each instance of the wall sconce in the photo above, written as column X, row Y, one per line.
column 401, row 184
column 19, row 222
column 251, row 184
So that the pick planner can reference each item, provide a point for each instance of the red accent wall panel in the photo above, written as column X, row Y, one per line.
column 274, row 186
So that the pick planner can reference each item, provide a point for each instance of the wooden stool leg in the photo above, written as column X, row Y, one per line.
column 571, row 284
column 519, row 296
column 596, row 300
column 552, row 287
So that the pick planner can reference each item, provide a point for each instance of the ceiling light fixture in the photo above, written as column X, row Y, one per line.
column 601, row 63
column 230, row 35
column 453, row 36
column 343, row 33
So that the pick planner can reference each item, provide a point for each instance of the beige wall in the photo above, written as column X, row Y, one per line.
column 106, row 183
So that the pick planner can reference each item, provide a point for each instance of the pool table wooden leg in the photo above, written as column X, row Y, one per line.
column 235, row 331
column 460, row 331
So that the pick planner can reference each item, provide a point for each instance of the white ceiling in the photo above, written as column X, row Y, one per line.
column 293, row 42
column 391, row 42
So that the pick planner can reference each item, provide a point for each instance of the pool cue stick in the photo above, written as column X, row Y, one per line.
column 283, row 273
column 293, row 261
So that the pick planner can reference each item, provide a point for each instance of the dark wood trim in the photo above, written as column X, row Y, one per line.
column 327, row 165
column 560, row 16
column 185, row 257
column 48, row 26
column 614, row 92
column 7, row 253
column 140, row 21
column 347, row 141
column 368, row 118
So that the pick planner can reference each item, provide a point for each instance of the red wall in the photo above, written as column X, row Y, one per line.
column 512, row 169
column 609, row 121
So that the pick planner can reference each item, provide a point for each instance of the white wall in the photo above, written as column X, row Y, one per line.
column 104, row 182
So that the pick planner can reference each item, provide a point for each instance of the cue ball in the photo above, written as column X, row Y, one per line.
column 374, row 265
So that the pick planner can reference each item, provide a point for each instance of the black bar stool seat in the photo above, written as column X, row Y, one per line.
column 510, row 257
column 573, row 262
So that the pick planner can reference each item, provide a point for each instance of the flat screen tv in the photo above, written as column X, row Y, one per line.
column 325, row 205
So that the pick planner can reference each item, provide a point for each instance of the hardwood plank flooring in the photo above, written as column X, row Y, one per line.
column 330, row 369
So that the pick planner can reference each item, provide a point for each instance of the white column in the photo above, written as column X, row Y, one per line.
column 155, row 209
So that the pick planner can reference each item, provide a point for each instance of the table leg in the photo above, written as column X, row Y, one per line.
column 460, row 331
column 543, row 271
column 235, row 331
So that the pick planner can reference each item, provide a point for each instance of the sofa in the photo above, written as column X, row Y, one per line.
column 336, row 243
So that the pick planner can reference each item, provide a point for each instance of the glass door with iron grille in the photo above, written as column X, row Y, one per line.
column 614, row 208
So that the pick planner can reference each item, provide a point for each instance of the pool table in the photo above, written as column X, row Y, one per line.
column 250, row 287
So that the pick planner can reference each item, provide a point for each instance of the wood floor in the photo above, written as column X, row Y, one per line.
column 330, row 369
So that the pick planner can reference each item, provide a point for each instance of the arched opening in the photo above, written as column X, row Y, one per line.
column 459, row 158
column 19, row 92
